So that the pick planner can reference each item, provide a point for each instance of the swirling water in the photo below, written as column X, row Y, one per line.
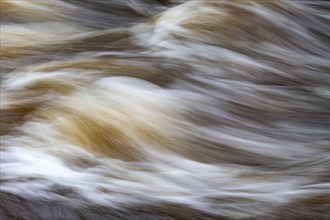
column 164, row 109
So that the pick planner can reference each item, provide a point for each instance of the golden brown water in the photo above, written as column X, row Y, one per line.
column 174, row 109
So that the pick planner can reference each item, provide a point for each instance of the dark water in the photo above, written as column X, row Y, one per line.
column 164, row 109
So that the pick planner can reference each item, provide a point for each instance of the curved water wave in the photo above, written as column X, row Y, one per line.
column 165, row 109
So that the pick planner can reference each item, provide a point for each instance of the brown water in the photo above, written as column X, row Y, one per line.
column 164, row 109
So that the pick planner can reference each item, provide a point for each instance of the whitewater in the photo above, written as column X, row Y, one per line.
column 165, row 109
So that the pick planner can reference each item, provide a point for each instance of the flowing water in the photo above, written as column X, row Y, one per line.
column 164, row 109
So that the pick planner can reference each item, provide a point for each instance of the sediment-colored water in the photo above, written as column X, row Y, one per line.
column 164, row 109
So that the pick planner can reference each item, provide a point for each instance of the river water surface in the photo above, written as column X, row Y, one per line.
column 164, row 109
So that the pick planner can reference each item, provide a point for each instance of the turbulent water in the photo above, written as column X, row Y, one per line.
column 164, row 109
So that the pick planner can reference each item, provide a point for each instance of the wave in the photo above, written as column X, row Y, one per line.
column 165, row 109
